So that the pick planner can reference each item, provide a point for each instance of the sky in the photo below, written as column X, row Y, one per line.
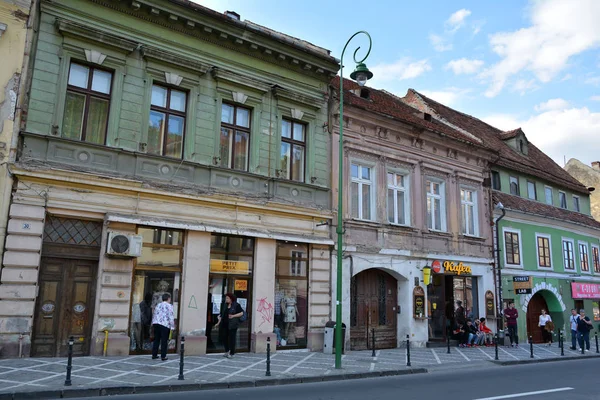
column 533, row 64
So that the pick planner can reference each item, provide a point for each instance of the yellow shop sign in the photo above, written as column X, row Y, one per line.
column 458, row 269
column 229, row 267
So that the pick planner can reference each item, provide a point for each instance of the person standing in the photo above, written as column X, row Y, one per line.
column 163, row 322
column 229, row 321
column 574, row 319
column 584, row 326
column 511, row 315
column 543, row 320
column 459, row 314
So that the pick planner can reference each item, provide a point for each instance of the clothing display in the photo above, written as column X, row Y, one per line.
column 289, row 306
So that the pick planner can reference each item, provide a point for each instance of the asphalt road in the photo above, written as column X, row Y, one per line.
column 570, row 380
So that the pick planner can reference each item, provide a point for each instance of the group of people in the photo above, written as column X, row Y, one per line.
column 470, row 333
column 581, row 325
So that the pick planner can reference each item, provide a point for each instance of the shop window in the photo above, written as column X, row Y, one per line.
column 291, row 295
column 293, row 144
column 235, row 137
column 596, row 310
column 157, row 271
column 167, row 121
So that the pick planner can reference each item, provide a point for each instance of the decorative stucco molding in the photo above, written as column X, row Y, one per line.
column 94, row 56
column 173, row 79
column 539, row 287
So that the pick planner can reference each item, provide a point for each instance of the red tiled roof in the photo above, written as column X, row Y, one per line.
column 511, row 134
column 385, row 103
column 511, row 202
column 535, row 163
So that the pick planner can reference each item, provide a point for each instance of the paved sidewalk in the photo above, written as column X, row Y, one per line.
column 95, row 376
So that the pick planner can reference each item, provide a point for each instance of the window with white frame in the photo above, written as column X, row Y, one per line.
column 562, row 197
column 543, row 251
column 514, row 186
column 576, row 203
column 596, row 259
column 436, row 205
column 568, row 254
column 531, row 190
column 583, row 257
column 549, row 196
column 398, row 199
column 469, row 221
column 512, row 247
column 361, row 191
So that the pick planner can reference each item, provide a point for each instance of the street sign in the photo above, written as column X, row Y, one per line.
column 522, row 284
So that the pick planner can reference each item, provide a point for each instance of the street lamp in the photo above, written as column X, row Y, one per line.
column 361, row 74
column 500, row 322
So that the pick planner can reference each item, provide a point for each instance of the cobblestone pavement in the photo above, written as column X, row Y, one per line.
column 48, row 374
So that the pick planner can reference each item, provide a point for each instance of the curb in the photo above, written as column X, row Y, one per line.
column 122, row 390
column 543, row 360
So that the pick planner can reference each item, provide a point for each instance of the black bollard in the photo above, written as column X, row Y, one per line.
column 69, row 362
column 531, row 346
column 448, row 336
column 562, row 344
column 496, row 345
column 181, row 351
column 407, row 350
column 268, row 357
column 373, row 341
column 596, row 335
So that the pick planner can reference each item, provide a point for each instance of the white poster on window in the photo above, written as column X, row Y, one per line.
column 216, row 303
column 242, row 303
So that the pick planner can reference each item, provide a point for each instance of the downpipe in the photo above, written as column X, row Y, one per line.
column 105, row 343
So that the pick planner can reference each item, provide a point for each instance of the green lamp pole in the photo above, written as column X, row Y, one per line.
column 361, row 74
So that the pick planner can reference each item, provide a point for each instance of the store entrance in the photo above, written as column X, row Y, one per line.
column 442, row 295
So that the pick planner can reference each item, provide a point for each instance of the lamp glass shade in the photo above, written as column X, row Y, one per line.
column 361, row 74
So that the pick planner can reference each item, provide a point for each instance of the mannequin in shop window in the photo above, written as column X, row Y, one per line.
column 290, row 314
column 161, row 288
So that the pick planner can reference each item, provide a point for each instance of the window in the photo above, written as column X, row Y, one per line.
column 293, row 138
column 568, row 254
column 496, row 180
column 596, row 259
column 362, row 191
column 469, row 222
column 576, row 203
column 87, row 104
column 562, row 197
column 512, row 248
column 167, row 122
column 531, row 190
column 514, row 186
column 436, row 207
column 543, row 251
column 398, row 199
column 583, row 257
column 235, row 137
column 549, row 197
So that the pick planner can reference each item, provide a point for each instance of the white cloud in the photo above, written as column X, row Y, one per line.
column 570, row 132
column 440, row 43
column 448, row 96
column 476, row 26
column 457, row 20
column 595, row 98
column 594, row 80
column 552, row 104
column 464, row 66
column 566, row 77
column 559, row 30
column 523, row 86
column 400, row 70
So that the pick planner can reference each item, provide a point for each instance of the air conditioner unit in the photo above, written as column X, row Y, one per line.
column 124, row 245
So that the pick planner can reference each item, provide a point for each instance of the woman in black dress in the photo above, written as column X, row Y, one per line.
column 229, row 321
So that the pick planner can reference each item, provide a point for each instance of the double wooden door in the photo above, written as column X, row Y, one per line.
column 374, row 295
column 534, row 310
column 64, row 307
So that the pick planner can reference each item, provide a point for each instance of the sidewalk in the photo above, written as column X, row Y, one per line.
column 97, row 376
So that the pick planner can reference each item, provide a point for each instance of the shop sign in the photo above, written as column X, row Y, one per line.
column 489, row 304
column 229, row 267
column 418, row 302
column 585, row 290
column 457, row 269
column 522, row 284
column 241, row 286
column 436, row 266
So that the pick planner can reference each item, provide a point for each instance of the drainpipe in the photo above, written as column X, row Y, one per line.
column 21, row 337
column 105, row 343
column 500, row 207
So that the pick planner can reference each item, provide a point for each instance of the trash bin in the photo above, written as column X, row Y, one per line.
column 329, row 339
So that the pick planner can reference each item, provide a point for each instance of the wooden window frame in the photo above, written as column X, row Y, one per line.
column 168, row 112
column 292, row 142
column 509, row 257
column 568, row 254
column 596, row 258
column 234, row 128
column 584, row 257
column 545, row 260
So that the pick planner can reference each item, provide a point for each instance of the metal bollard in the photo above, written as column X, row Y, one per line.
column 496, row 345
column 268, row 357
column 70, row 362
column 373, row 341
column 562, row 343
column 448, row 336
column 181, row 351
column 596, row 335
column 407, row 350
column 531, row 346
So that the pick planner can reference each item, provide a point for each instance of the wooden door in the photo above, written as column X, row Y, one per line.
column 534, row 309
column 64, row 307
column 373, row 310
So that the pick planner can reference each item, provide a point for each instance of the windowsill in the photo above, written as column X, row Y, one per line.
column 513, row 266
column 549, row 269
column 472, row 237
column 364, row 221
column 438, row 233
column 400, row 225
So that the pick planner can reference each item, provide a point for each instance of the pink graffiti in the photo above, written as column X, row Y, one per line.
column 265, row 309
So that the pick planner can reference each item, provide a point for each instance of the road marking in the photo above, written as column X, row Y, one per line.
column 546, row 350
column 462, row 354
column 529, row 352
column 516, row 358
column 243, row 369
column 372, row 367
column 512, row 396
column 436, row 356
column 298, row 363
column 481, row 350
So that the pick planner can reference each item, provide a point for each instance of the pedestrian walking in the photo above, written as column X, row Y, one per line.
column 229, row 321
column 163, row 322
column 511, row 314
column 574, row 319
column 584, row 326
column 543, row 320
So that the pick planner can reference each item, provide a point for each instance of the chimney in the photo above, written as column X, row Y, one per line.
column 596, row 165
column 232, row 15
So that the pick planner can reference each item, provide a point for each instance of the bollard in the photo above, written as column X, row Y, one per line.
column 531, row 346
column 448, row 336
column 496, row 345
column 373, row 341
column 596, row 335
column 562, row 344
column 268, row 357
column 181, row 351
column 69, row 362
column 407, row 350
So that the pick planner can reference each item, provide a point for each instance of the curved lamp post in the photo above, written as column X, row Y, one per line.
column 361, row 74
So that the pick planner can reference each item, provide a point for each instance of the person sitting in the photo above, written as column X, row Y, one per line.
column 461, row 335
column 487, row 332
column 471, row 331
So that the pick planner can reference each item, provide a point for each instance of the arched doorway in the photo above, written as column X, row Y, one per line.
column 534, row 309
column 373, row 302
